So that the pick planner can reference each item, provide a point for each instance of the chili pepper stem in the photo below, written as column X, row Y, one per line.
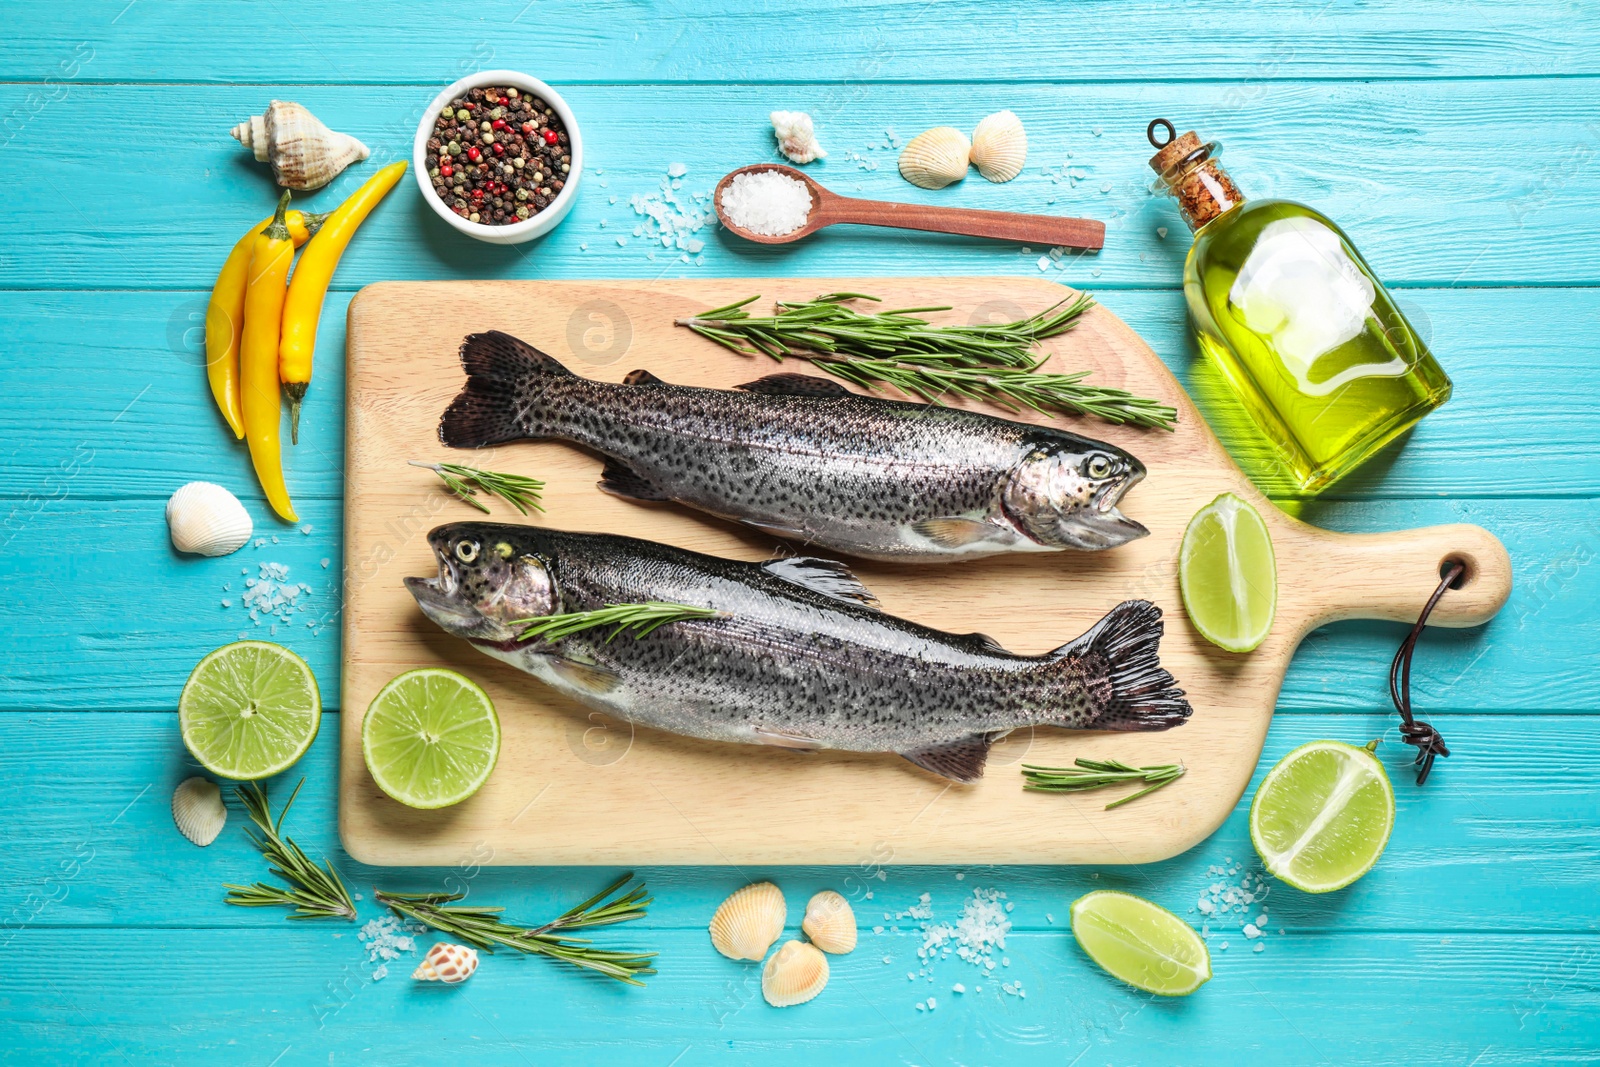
column 278, row 228
column 297, row 393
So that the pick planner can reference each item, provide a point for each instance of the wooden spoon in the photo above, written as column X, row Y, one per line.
column 829, row 208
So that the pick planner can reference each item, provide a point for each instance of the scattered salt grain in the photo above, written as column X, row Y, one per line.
column 960, row 877
column 677, row 170
column 325, row 564
column 1259, row 946
column 386, row 938
column 888, row 959
column 767, row 202
column 1044, row 262
column 1161, row 232
column 932, row 1003
column 922, row 1005
column 306, row 529
column 1251, row 932
column 1049, row 918
column 227, row 603
column 958, row 988
column 380, row 972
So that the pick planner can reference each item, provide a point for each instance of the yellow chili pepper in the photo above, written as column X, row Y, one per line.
column 261, row 400
column 225, row 314
column 309, row 286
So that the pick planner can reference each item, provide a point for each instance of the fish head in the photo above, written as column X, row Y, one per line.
column 1067, row 497
column 490, row 575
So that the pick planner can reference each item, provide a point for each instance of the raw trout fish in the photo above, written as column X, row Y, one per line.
column 808, row 460
column 799, row 656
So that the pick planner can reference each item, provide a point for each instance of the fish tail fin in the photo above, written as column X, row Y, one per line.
column 485, row 412
column 1129, row 688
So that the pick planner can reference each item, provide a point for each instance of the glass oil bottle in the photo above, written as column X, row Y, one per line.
column 1300, row 327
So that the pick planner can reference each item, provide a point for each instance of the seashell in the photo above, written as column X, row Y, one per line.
column 795, row 974
column 934, row 159
column 207, row 519
column 830, row 923
column 748, row 922
column 999, row 147
column 198, row 811
column 303, row 152
column 797, row 137
column 447, row 963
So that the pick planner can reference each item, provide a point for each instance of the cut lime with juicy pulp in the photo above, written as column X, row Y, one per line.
column 1141, row 943
column 1322, row 816
column 249, row 710
column 430, row 738
column 1228, row 574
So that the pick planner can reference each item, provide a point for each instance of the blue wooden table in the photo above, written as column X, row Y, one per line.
column 1456, row 141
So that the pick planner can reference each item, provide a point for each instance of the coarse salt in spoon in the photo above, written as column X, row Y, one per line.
column 771, row 212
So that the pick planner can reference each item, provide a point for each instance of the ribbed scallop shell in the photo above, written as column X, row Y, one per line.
column 748, row 922
column 207, row 519
column 197, row 809
column 830, row 922
column 999, row 147
column 934, row 159
column 795, row 974
column 447, row 963
column 303, row 152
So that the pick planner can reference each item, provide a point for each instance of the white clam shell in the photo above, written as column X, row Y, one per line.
column 795, row 974
column 448, row 963
column 830, row 923
column 748, row 922
column 207, row 519
column 303, row 152
column 999, row 147
column 934, row 159
column 198, row 810
column 797, row 136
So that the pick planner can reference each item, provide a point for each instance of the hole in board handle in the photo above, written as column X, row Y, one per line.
column 1466, row 576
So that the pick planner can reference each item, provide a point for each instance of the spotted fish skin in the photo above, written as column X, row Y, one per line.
column 806, row 459
column 799, row 655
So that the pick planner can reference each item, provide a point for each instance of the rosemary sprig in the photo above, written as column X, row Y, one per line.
column 316, row 893
column 519, row 491
column 639, row 619
column 1095, row 774
column 992, row 362
column 483, row 928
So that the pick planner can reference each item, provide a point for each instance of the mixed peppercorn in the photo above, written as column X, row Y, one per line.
column 498, row 156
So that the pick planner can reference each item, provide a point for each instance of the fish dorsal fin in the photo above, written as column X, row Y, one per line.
column 828, row 577
column 619, row 479
column 985, row 643
column 955, row 532
column 959, row 761
column 786, row 739
column 642, row 377
column 794, row 385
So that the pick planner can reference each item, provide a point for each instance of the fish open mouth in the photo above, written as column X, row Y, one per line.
column 1102, row 524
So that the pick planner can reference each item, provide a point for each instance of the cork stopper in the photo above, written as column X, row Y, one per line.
column 1189, row 171
column 1177, row 146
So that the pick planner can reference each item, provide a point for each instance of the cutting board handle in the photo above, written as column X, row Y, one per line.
column 1390, row 576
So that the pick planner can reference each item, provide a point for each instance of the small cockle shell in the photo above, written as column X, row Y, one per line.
column 795, row 974
column 748, row 922
column 303, row 152
column 797, row 137
column 198, row 811
column 207, row 519
column 830, row 923
column 448, row 963
column 934, row 159
column 999, row 147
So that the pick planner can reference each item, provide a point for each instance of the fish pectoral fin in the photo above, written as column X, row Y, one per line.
column 641, row 377
column 586, row 676
column 955, row 532
column 786, row 739
column 959, row 761
column 619, row 479
column 794, row 385
column 828, row 577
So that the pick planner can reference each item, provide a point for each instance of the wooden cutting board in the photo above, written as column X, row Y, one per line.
column 575, row 787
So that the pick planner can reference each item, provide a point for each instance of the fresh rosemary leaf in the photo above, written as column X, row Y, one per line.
column 638, row 619
column 1096, row 774
column 519, row 491
column 314, row 893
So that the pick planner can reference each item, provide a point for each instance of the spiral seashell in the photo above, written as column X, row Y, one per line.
column 207, row 520
column 797, row 137
column 830, row 923
column 999, row 147
column 303, row 152
column 934, row 159
column 448, row 963
column 198, row 811
column 748, row 922
column 795, row 974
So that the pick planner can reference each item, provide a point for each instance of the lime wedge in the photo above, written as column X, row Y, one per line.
column 249, row 710
column 1322, row 816
column 430, row 738
column 1141, row 943
column 1228, row 574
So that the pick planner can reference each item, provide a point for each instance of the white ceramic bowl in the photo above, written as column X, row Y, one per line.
column 535, row 226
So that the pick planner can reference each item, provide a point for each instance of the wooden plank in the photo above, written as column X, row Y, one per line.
column 853, row 43
column 1336, row 146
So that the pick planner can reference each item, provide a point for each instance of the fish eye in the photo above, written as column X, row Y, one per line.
column 1099, row 466
column 466, row 551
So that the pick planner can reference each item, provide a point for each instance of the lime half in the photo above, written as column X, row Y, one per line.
column 1228, row 574
column 249, row 710
column 430, row 738
column 1322, row 816
column 1141, row 943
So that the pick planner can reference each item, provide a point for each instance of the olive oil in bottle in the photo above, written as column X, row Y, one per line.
column 1302, row 330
